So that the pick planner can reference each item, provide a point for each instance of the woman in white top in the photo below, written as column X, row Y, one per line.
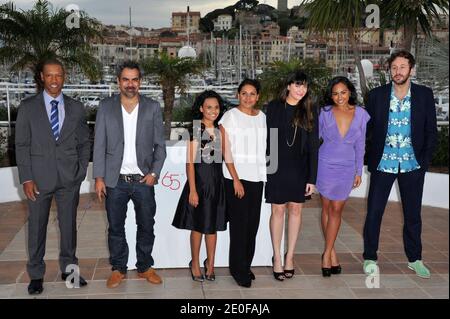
column 244, row 169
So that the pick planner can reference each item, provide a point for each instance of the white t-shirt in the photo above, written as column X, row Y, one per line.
column 129, row 162
column 247, row 135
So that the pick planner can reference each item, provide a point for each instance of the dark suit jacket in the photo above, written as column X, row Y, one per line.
column 109, row 139
column 42, row 159
column 423, row 123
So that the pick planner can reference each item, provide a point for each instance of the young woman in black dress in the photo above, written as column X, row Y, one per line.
column 201, row 207
column 295, row 119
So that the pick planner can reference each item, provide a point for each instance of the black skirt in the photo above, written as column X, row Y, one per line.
column 288, row 184
column 210, row 214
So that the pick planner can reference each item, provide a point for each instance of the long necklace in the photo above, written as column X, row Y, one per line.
column 295, row 132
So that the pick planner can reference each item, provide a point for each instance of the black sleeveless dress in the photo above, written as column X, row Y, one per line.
column 288, row 183
column 210, row 214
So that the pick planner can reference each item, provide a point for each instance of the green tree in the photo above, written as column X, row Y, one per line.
column 285, row 23
column 32, row 36
column 168, row 34
column 409, row 14
column 437, row 61
column 379, row 80
column 206, row 23
column 440, row 156
column 171, row 74
column 246, row 5
column 272, row 79
column 3, row 140
column 326, row 16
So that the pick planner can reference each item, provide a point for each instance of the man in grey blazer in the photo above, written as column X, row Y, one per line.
column 52, row 151
column 129, row 153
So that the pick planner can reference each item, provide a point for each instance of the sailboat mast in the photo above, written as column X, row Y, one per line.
column 131, row 52
column 187, row 27
column 240, row 53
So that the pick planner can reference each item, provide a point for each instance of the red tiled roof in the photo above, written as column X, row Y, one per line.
column 191, row 13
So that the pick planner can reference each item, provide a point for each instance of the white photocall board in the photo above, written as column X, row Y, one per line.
column 171, row 248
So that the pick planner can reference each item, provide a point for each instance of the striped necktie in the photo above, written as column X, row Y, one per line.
column 54, row 119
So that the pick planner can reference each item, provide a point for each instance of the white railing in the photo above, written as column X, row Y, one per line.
column 12, row 93
column 436, row 186
column 109, row 89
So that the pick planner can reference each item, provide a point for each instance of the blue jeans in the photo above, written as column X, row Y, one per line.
column 117, row 198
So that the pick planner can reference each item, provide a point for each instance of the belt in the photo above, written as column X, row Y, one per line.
column 131, row 177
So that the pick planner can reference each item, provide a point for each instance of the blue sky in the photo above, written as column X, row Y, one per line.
column 146, row 13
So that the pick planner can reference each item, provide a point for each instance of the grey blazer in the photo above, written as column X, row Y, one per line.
column 42, row 159
column 109, row 139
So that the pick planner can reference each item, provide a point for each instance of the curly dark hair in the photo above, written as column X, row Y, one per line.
column 353, row 100
column 402, row 54
column 200, row 99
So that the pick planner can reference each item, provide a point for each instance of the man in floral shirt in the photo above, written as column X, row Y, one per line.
column 402, row 135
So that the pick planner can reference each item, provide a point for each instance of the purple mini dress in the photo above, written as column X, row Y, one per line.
column 340, row 158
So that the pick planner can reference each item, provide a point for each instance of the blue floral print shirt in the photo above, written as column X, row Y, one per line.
column 398, row 154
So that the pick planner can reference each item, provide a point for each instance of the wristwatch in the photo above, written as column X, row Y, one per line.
column 154, row 175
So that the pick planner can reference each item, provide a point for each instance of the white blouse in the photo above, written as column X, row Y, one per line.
column 247, row 135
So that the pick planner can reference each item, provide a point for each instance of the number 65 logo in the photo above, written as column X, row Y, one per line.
column 170, row 181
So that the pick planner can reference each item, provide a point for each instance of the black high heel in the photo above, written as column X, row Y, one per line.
column 195, row 278
column 288, row 273
column 336, row 270
column 277, row 275
column 211, row 277
column 326, row 272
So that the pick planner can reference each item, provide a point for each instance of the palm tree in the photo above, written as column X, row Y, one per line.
column 272, row 84
column 30, row 37
column 171, row 73
column 326, row 16
column 437, row 59
column 411, row 13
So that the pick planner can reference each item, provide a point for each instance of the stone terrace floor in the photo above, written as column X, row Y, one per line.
column 396, row 280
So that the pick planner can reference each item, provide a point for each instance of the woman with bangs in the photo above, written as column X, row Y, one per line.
column 295, row 119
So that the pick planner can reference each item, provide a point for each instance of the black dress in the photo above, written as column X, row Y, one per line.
column 297, row 156
column 210, row 214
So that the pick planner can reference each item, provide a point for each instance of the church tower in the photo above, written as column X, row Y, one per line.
column 282, row 5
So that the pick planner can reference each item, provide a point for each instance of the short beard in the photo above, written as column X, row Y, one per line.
column 130, row 95
column 404, row 81
column 401, row 82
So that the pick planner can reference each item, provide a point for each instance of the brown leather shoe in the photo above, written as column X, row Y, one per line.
column 115, row 279
column 151, row 276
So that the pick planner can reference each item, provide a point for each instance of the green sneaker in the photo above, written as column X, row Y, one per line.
column 370, row 266
column 420, row 269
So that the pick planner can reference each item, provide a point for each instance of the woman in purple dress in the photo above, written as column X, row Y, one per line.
column 342, row 126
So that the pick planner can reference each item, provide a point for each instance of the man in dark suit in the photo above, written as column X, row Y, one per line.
column 52, row 151
column 402, row 135
column 129, row 153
